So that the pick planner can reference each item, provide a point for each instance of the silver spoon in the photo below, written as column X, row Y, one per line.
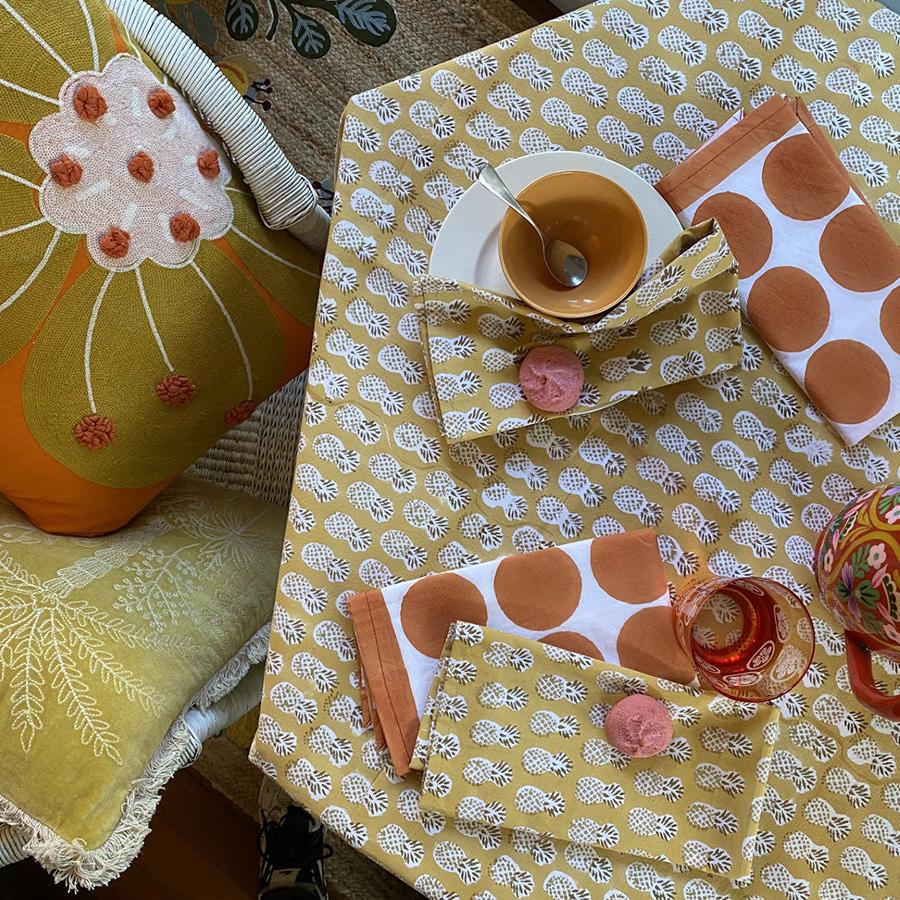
column 566, row 264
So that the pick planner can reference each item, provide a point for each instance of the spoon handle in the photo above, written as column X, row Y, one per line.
column 490, row 178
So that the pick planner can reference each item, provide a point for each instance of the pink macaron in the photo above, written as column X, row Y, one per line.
column 639, row 726
column 551, row 378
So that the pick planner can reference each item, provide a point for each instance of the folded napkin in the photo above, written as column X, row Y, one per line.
column 514, row 739
column 819, row 275
column 605, row 597
column 682, row 321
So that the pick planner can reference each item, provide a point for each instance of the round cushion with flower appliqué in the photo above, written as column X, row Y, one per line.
column 144, row 308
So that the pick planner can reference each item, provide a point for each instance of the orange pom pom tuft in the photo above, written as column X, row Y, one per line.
column 184, row 227
column 89, row 103
column 66, row 171
column 208, row 164
column 95, row 432
column 114, row 242
column 161, row 103
column 141, row 166
column 176, row 390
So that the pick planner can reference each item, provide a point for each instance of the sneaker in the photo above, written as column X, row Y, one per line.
column 292, row 849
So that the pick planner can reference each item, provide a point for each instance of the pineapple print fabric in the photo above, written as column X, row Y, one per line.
column 681, row 322
column 819, row 275
column 736, row 471
column 515, row 741
column 606, row 598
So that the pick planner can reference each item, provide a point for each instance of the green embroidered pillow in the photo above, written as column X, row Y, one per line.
column 144, row 308
column 103, row 644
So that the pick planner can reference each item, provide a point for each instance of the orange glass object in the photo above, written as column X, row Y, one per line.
column 750, row 639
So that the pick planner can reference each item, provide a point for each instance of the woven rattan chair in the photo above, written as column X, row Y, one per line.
column 258, row 456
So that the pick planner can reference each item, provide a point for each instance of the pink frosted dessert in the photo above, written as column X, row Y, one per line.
column 639, row 726
column 551, row 378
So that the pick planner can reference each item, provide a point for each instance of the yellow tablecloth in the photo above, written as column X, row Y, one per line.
column 640, row 82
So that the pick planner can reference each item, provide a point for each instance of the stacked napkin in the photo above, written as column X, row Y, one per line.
column 819, row 275
column 606, row 598
column 513, row 739
column 682, row 321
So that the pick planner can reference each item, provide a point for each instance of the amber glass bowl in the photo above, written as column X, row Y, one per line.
column 589, row 212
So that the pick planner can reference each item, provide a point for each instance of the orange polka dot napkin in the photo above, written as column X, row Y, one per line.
column 819, row 277
column 606, row 598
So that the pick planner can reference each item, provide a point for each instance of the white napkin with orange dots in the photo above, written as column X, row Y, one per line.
column 819, row 276
column 606, row 598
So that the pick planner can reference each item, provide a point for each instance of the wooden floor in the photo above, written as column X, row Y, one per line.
column 201, row 848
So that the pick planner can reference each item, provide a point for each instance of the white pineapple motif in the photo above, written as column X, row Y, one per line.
column 502, row 655
column 494, row 696
column 652, row 468
column 540, row 847
column 486, row 732
column 651, row 784
column 273, row 735
column 475, row 809
column 880, row 831
column 799, row 845
column 451, row 857
column 302, row 773
column 591, row 791
column 719, row 740
column 789, row 767
column 579, row 82
column 820, row 812
column 856, row 861
column 531, row 800
column 558, row 114
column 676, row 40
column 840, row 781
column 544, row 722
column 504, row 96
column 478, row 771
column 507, row 872
column 646, row 823
column 731, row 55
column 547, row 38
column 560, row 886
column 364, row 497
column 705, row 816
column 305, row 665
column 524, row 66
column 540, row 761
column 395, row 841
column 711, row 777
column 712, row 86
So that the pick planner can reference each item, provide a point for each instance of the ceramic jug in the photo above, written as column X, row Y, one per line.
column 858, row 571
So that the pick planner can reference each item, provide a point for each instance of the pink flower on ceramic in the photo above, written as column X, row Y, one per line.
column 114, row 193
column 891, row 633
column 828, row 561
column 877, row 556
column 878, row 576
column 893, row 515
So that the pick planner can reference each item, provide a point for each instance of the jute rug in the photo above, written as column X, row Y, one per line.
column 301, row 99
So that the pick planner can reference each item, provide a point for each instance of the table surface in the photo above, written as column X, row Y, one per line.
column 378, row 497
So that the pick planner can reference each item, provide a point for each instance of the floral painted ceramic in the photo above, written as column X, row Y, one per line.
column 858, row 570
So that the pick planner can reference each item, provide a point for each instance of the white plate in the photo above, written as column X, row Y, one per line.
column 466, row 247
